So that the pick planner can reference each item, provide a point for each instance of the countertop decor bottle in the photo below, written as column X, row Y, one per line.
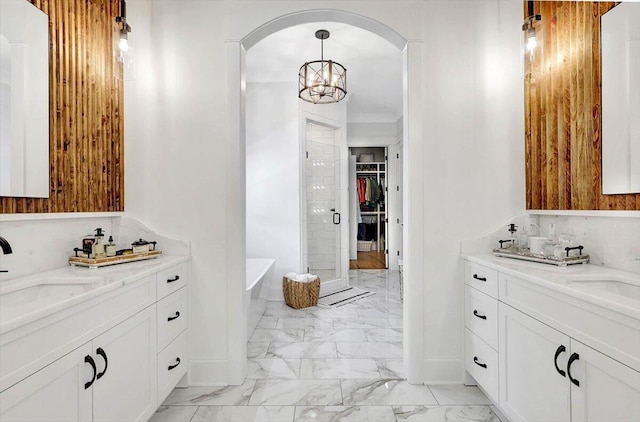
column 111, row 247
column 98, row 248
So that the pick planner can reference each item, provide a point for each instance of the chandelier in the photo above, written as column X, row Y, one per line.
column 322, row 81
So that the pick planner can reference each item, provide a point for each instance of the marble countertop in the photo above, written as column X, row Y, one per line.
column 579, row 281
column 29, row 298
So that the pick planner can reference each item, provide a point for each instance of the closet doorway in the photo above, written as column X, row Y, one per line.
column 370, row 196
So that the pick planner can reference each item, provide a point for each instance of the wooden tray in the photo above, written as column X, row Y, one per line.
column 561, row 262
column 112, row 260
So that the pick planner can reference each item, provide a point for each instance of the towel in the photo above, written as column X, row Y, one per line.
column 301, row 278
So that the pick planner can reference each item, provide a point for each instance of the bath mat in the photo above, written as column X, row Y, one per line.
column 342, row 297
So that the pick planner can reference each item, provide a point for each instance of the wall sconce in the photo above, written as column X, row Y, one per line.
column 123, row 58
column 532, row 39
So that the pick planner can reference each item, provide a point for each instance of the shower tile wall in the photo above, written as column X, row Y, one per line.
column 321, row 194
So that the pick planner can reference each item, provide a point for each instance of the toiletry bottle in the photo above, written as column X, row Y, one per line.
column 98, row 246
column 514, row 239
column 111, row 247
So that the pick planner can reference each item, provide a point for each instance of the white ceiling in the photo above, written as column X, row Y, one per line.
column 374, row 66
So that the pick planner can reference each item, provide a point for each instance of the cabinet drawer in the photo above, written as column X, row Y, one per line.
column 481, row 316
column 168, row 373
column 172, row 317
column 171, row 279
column 482, row 278
column 478, row 355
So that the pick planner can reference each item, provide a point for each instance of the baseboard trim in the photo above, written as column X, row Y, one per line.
column 206, row 373
column 443, row 370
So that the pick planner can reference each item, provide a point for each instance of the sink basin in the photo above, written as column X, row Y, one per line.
column 43, row 292
column 619, row 285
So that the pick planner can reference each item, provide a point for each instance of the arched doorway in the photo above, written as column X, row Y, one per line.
column 413, row 199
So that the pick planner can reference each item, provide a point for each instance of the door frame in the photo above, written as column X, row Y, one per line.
column 413, row 182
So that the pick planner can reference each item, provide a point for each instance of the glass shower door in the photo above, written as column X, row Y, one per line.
column 323, row 204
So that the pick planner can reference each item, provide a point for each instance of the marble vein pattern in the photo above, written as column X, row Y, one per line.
column 341, row 364
column 391, row 368
column 370, row 349
column 385, row 391
column 244, row 414
column 231, row 395
column 297, row 392
column 445, row 414
column 302, row 349
column 339, row 368
column 335, row 335
column 273, row 368
column 344, row 414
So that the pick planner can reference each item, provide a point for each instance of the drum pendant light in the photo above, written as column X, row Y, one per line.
column 322, row 81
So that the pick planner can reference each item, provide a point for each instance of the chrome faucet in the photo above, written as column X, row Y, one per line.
column 6, row 249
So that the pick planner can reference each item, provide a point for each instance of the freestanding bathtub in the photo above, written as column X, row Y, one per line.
column 259, row 275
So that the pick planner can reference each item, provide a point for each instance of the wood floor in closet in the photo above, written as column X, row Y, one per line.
column 373, row 260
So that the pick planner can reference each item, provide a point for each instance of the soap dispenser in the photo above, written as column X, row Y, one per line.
column 512, row 228
column 98, row 248
column 111, row 247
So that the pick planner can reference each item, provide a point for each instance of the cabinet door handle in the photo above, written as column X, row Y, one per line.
column 574, row 357
column 560, row 349
column 174, row 366
column 479, row 278
column 88, row 359
column 336, row 221
column 482, row 365
column 171, row 318
column 171, row 280
column 102, row 353
column 475, row 312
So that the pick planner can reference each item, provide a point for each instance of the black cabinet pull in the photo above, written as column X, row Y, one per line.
column 574, row 357
column 479, row 278
column 171, row 280
column 482, row 365
column 559, row 350
column 336, row 214
column 174, row 366
column 171, row 318
column 102, row 353
column 88, row 359
column 475, row 312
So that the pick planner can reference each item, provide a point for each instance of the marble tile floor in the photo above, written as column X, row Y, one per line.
column 318, row 364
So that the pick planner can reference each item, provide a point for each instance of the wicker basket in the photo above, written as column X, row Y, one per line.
column 300, row 295
column 365, row 245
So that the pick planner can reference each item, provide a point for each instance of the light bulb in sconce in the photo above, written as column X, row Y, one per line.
column 124, row 43
column 532, row 43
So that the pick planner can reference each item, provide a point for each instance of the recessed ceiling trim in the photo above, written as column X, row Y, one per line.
column 323, row 15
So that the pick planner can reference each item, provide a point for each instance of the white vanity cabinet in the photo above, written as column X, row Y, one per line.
column 561, row 356
column 88, row 383
column 109, row 372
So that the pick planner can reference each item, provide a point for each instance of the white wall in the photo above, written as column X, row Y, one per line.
column 177, row 145
column 273, row 179
column 473, row 153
